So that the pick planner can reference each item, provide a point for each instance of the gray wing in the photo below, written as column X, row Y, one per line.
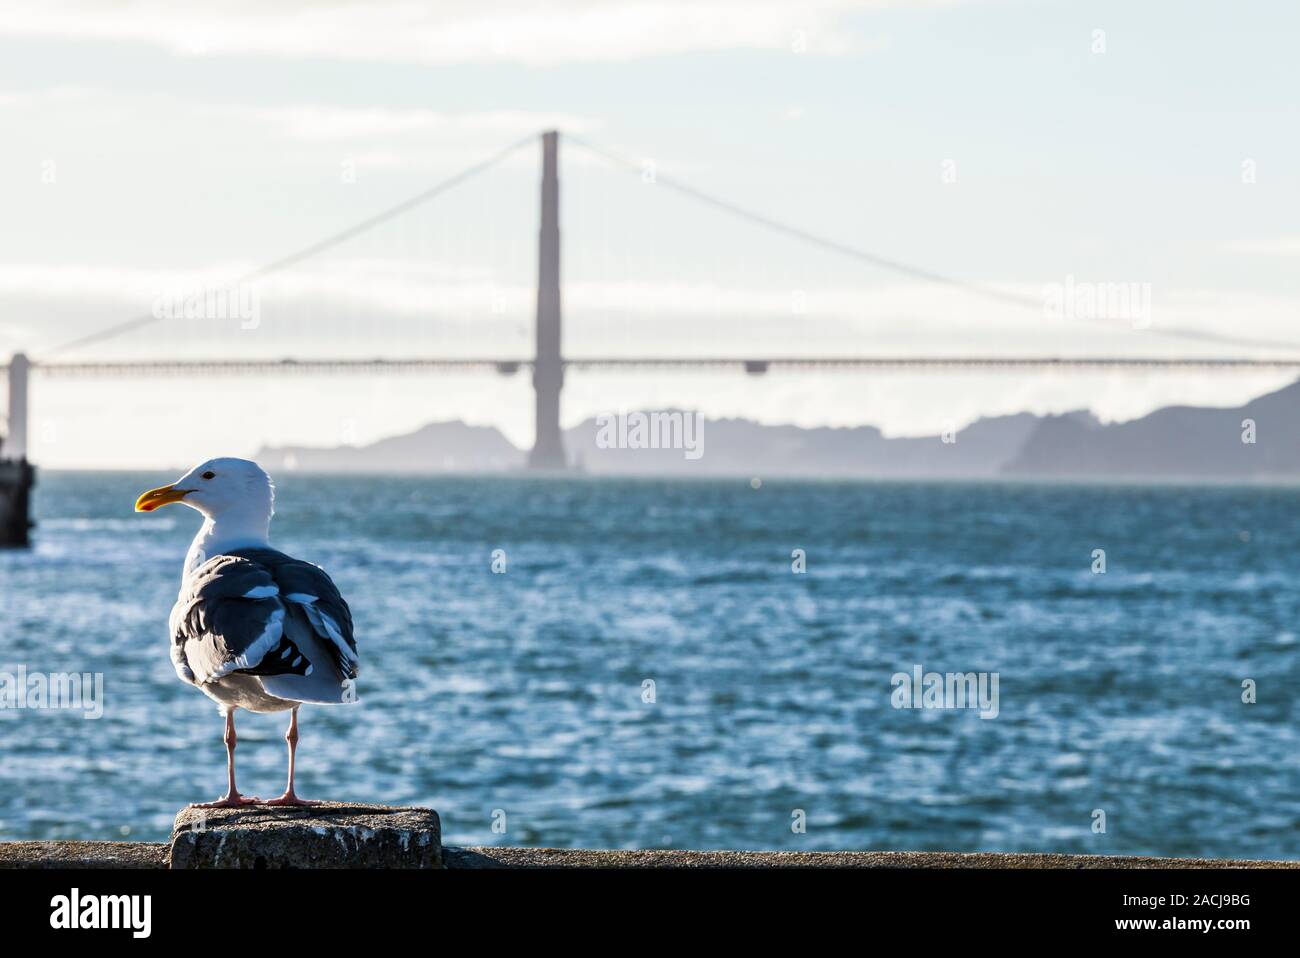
column 230, row 619
column 263, row 613
column 308, row 588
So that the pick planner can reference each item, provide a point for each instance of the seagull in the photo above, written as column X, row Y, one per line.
column 253, row 628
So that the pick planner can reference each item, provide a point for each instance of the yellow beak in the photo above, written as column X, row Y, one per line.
column 161, row 496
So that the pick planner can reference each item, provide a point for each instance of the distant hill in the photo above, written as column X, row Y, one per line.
column 743, row 447
column 437, row 447
column 1178, row 441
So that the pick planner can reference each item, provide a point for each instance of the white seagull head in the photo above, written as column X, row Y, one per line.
column 217, row 488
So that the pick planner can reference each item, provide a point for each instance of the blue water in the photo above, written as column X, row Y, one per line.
column 523, row 692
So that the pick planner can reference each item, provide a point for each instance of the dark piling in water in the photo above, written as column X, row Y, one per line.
column 17, row 477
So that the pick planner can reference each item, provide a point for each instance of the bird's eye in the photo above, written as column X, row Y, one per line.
column 209, row 475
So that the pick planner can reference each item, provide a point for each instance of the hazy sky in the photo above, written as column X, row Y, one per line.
column 150, row 149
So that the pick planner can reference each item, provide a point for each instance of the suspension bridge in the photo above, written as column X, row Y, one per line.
column 548, row 363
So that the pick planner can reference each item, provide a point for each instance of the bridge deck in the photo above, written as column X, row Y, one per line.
column 749, row 365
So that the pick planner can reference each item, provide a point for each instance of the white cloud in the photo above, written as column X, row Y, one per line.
column 1273, row 246
column 370, row 137
column 631, row 316
column 39, row 99
column 456, row 31
column 327, row 123
column 301, row 121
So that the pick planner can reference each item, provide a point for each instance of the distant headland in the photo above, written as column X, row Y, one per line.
column 1255, row 441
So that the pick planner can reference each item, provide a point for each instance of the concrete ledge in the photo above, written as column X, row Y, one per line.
column 329, row 835
column 156, row 855
column 489, row 857
column 83, row 854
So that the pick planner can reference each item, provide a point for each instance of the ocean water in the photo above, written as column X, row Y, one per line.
column 520, row 698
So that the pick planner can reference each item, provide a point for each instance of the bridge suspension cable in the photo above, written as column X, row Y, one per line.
column 835, row 246
column 318, row 247
column 733, row 209
column 896, row 266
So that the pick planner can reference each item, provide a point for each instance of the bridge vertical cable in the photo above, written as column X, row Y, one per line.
column 313, row 249
column 617, row 159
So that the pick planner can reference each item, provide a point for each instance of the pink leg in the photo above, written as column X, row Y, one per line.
column 291, row 736
column 232, row 798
